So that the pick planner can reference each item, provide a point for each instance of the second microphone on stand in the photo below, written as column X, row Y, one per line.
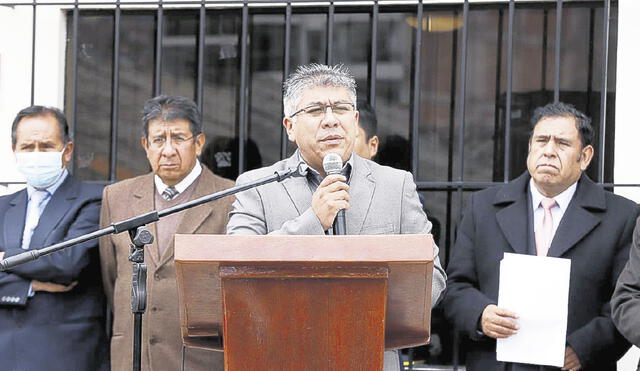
column 332, row 164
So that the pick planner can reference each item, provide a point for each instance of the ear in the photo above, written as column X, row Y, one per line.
column 585, row 157
column 67, row 153
column 288, row 124
column 373, row 146
column 200, row 140
column 144, row 143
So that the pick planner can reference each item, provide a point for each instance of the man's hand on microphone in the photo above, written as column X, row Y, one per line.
column 496, row 322
column 330, row 197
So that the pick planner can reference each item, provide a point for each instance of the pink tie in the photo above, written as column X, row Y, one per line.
column 543, row 235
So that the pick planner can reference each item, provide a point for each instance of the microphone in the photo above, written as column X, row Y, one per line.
column 332, row 164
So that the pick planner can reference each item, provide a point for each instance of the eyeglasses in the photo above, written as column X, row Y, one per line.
column 319, row 110
column 176, row 140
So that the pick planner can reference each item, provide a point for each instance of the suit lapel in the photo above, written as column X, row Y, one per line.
column 297, row 187
column 513, row 216
column 194, row 217
column 578, row 221
column 14, row 220
column 142, row 201
column 54, row 212
column 361, row 188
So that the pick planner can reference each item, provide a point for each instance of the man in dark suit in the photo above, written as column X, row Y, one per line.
column 555, row 210
column 51, row 309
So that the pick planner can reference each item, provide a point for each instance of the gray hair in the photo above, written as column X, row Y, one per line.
column 312, row 75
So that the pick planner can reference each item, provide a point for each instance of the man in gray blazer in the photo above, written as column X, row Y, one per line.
column 321, row 118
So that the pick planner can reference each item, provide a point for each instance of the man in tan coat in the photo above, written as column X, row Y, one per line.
column 172, row 140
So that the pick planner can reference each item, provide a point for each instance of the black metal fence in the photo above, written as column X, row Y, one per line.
column 455, row 82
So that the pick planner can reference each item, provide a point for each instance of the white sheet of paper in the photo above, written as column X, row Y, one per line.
column 537, row 289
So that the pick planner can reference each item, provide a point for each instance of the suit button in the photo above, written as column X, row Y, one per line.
column 154, row 309
column 153, row 340
column 157, row 276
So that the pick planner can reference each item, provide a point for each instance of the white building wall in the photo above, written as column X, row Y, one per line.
column 15, row 71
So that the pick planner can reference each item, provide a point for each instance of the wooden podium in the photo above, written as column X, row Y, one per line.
column 304, row 302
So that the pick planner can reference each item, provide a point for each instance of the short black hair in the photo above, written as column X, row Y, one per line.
column 39, row 111
column 559, row 109
column 171, row 108
column 367, row 119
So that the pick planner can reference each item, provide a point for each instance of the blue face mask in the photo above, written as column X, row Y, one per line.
column 41, row 169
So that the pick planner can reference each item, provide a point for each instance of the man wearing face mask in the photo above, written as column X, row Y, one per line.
column 51, row 309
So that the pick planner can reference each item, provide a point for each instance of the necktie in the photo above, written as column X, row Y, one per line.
column 543, row 234
column 34, row 209
column 169, row 193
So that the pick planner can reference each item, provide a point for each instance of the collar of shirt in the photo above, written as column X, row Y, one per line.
column 184, row 183
column 52, row 188
column 563, row 199
column 314, row 177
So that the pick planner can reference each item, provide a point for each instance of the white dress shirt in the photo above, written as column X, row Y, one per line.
column 184, row 183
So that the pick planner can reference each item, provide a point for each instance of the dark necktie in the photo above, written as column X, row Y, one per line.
column 169, row 193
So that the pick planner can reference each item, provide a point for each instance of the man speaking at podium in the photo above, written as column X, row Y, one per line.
column 321, row 118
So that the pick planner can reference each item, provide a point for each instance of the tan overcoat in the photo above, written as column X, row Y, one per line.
column 161, row 339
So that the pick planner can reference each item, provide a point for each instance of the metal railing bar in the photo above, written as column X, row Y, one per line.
column 373, row 54
column 556, row 86
column 421, row 186
column 452, row 117
column 295, row 3
column 242, row 96
column 545, row 35
column 115, row 93
column 202, row 22
column 463, row 86
column 157, row 78
column 603, row 88
column 415, row 93
column 590, row 61
column 330, row 26
column 74, row 77
column 497, row 124
column 507, row 123
column 33, row 54
column 285, row 72
column 427, row 185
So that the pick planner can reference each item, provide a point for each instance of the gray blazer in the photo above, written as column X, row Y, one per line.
column 383, row 201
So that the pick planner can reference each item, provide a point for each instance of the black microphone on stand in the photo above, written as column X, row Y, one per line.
column 332, row 164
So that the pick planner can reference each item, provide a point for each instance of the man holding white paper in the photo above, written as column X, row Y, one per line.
column 552, row 210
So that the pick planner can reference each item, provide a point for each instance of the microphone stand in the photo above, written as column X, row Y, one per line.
column 140, row 236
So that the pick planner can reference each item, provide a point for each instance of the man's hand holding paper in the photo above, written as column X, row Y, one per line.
column 497, row 322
